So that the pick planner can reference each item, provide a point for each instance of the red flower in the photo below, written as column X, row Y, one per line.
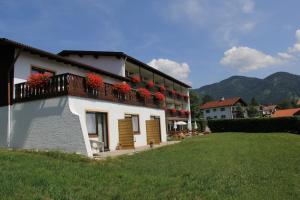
column 187, row 112
column 38, row 79
column 122, row 87
column 150, row 84
column 159, row 96
column 173, row 92
column 94, row 81
column 182, row 112
column 143, row 92
column 186, row 97
column 173, row 110
column 162, row 88
column 136, row 79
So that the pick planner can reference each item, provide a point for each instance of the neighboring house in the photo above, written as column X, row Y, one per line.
column 67, row 115
column 293, row 112
column 225, row 109
column 268, row 111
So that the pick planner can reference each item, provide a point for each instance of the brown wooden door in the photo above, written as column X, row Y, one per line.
column 153, row 131
column 126, row 134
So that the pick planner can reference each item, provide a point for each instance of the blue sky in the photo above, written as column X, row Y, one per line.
column 197, row 41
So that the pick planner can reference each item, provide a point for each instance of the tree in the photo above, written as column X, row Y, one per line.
column 287, row 103
column 254, row 102
column 195, row 102
column 207, row 98
column 252, row 111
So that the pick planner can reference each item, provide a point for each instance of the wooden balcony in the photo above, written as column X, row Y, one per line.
column 176, row 114
column 73, row 85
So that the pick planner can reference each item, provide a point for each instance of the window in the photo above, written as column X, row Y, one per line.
column 96, row 123
column 207, row 111
column 35, row 70
column 223, row 116
column 222, row 109
column 135, row 123
column 214, row 110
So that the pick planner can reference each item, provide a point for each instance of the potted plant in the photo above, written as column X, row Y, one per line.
column 162, row 88
column 159, row 96
column 150, row 84
column 135, row 79
column 38, row 79
column 173, row 110
column 144, row 93
column 94, row 81
column 122, row 87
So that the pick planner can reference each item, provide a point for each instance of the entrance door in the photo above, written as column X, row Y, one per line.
column 97, row 127
column 126, row 140
column 153, row 131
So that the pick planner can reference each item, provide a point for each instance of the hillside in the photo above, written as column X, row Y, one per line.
column 272, row 89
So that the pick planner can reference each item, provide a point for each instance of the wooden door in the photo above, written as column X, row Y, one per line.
column 153, row 131
column 126, row 140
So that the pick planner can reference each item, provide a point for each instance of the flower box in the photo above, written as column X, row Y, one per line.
column 38, row 79
column 136, row 79
column 144, row 93
column 122, row 87
column 94, row 81
column 159, row 96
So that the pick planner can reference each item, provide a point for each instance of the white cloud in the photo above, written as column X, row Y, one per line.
column 247, row 59
column 296, row 47
column 191, row 10
column 248, row 6
column 179, row 71
column 228, row 20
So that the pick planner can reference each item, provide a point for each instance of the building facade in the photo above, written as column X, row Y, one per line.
column 224, row 109
column 66, row 115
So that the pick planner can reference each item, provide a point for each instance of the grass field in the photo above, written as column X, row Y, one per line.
column 217, row 166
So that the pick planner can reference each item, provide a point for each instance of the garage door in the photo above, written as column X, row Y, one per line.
column 153, row 131
column 126, row 134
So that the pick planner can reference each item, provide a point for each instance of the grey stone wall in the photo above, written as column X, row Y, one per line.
column 3, row 126
column 47, row 125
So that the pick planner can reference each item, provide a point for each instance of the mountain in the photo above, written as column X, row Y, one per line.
column 270, row 90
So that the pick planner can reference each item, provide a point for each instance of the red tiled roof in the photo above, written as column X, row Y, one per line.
column 287, row 112
column 221, row 103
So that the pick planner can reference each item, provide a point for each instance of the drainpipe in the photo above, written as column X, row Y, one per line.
column 9, row 98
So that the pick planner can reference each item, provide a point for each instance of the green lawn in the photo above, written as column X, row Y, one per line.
column 216, row 166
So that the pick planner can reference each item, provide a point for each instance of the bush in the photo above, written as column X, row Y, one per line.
column 284, row 124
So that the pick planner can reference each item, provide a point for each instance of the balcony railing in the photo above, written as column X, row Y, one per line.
column 73, row 85
column 170, row 113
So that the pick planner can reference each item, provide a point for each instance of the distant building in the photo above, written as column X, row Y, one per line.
column 287, row 113
column 225, row 109
column 268, row 111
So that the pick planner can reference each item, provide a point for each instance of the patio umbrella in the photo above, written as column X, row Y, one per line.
column 181, row 123
column 195, row 125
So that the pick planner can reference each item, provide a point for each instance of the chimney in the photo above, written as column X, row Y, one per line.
column 222, row 99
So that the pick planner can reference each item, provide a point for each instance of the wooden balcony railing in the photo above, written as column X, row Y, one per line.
column 73, row 85
column 170, row 113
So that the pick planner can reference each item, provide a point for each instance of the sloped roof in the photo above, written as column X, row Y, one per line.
column 58, row 58
column 122, row 55
column 287, row 112
column 222, row 103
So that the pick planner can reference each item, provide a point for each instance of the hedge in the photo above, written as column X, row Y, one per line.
column 254, row 125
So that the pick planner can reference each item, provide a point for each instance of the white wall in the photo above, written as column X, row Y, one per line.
column 108, row 63
column 218, row 113
column 47, row 124
column 26, row 60
column 116, row 111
